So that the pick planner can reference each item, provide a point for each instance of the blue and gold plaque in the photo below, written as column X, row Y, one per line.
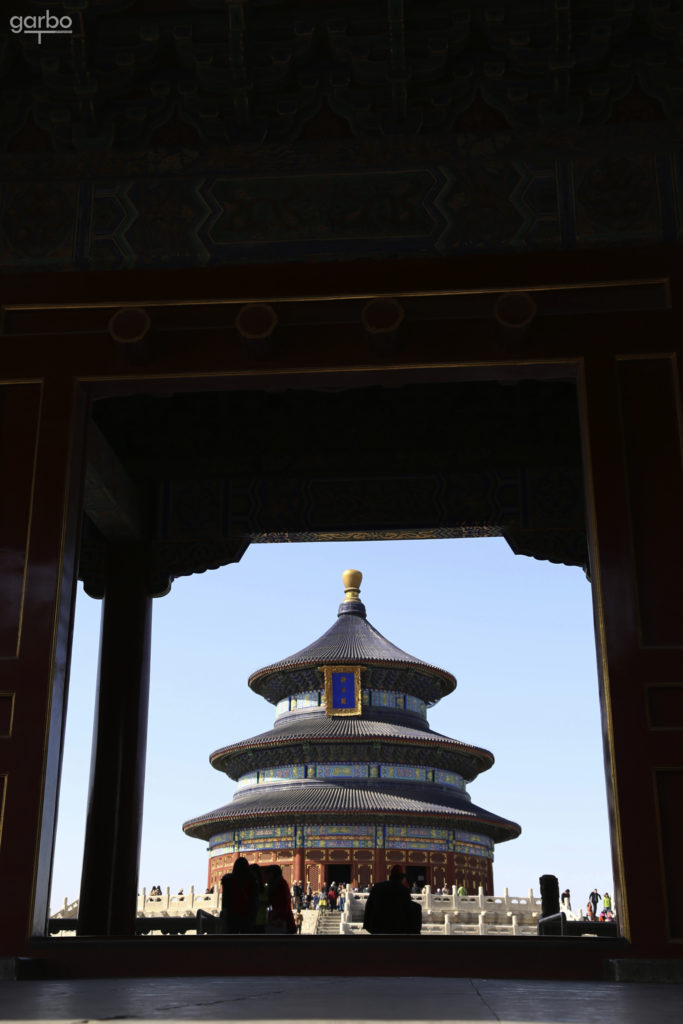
column 342, row 689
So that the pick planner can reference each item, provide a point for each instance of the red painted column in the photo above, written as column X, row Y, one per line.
column 379, row 867
column 298, row 866
column 114, row 823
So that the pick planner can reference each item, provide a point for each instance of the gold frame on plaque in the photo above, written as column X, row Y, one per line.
column 347, row 670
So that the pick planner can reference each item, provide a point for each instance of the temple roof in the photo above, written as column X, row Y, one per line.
column 318, row 727
column 341, row 797
column 351, row 639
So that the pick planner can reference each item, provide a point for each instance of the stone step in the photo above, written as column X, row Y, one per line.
column 328, row 923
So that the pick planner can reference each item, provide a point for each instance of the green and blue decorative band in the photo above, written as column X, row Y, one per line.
column 369, row 698
column 351, row 770
column 365, row 837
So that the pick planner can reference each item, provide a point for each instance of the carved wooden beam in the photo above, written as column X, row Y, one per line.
column 110, row 498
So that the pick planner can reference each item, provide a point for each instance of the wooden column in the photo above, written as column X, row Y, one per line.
column 41, row 467
column 379, row 873
column 298, row 866
column 634, row 470
column 114, row 823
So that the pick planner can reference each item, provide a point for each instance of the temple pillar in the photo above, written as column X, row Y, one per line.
column 117, row 774
column 631, row 424
column 379, row 867
column 42, row 435
column 298, row 865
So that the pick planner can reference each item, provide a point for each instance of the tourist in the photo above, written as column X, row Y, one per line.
column 342, row 898
column 606, row 902
column 462, row 891
column 390, row 908
column 332, row 898
column 298, row 921
column 240, row 898
column 594, row 898
column 565, row 901
column 322, row 901
column 280, row 917
column 296, row 895
column 261, row 916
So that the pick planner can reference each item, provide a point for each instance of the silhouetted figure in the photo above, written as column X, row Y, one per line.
column 239, row 898
column 389, row 908
column 261, row 918
column 280, row 917
column 550, row 895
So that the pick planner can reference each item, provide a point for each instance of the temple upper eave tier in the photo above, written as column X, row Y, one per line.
column 353, row 640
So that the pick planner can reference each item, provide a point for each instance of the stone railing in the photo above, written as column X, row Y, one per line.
column 527, row 908
column 459, row 915
column 184, row 904
column 441, row 914
column 167, row 905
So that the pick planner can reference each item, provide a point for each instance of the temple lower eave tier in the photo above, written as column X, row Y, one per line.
column 351, row 779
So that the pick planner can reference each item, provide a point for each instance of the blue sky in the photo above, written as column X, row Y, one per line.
column 517, row 634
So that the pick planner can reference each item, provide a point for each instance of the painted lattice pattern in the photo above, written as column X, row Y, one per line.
column 359, row 837
column 404, row 837
column 342, row 771
column 409, row 772
column 449, row 779
column 310, row 699
column 370, row 698
column 250, row 779
column 298, row 701
column 415, row 704
column 471, row 843
column 285, row 771
column 276, row 837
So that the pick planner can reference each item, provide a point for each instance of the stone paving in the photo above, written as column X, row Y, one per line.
column 336, row 1000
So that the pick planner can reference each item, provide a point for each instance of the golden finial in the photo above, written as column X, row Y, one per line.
column 351, row 578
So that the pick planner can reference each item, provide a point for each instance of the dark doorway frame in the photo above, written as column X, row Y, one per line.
column 629, row 388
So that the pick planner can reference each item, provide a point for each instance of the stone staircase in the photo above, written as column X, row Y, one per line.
column 329, row 922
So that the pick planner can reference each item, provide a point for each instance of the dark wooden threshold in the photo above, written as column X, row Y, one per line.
column 370, row 956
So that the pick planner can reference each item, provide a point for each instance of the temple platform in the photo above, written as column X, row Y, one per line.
column 340, row 999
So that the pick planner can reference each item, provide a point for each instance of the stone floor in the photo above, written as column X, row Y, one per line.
column 307, row 1000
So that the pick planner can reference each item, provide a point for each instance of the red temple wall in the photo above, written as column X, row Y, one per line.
column 367, row 866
